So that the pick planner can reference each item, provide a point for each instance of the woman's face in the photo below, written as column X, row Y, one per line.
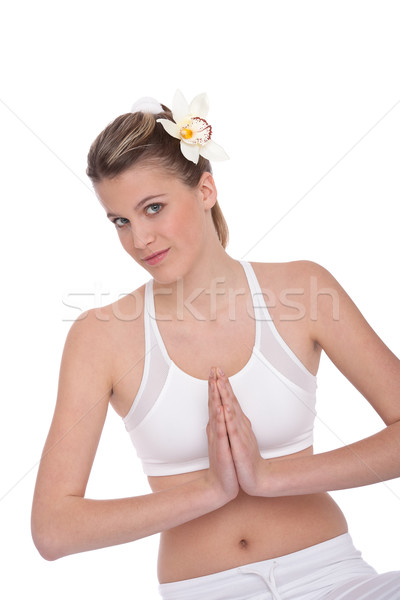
column 161, row 222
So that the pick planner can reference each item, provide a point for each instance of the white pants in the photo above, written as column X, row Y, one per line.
column 332, row 570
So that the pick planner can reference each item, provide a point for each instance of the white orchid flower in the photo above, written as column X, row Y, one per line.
column 192, row 129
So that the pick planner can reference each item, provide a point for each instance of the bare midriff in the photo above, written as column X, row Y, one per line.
column 247, row 529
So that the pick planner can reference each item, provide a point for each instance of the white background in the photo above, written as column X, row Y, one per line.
column 305, row 98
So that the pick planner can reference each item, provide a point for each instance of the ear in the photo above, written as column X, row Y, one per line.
column 208, row 190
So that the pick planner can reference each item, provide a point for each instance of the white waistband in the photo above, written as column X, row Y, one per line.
column 335, row 560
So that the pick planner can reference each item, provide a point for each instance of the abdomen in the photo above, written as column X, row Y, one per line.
column 247, row 529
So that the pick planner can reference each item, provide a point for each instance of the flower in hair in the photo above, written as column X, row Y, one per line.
column 192, row 129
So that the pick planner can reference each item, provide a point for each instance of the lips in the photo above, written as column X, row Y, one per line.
column 152, row 259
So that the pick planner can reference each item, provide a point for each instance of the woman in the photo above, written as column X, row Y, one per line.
column 222, row 369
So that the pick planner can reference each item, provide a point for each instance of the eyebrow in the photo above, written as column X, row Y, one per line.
column 140, row 203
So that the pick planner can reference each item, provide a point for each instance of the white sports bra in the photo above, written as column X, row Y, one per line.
column 168, row 418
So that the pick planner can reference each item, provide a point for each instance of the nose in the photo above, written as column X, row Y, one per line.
column 142, row 236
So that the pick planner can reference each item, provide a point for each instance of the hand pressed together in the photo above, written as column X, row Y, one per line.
column 235, row 459
column 222, row 471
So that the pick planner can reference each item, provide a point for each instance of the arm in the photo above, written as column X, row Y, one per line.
column 63, row 520
column 373, row 369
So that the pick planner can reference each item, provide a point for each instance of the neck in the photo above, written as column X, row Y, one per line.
column 204, row 290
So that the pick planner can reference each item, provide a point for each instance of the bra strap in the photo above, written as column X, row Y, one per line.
column 150, row 319
column 259, row 306
column 148, row 311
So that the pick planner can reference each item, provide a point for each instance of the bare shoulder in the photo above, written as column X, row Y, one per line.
column 105, row 327
column 115, row 334
column 296, row 289
column 288, row 273
column 110, row 338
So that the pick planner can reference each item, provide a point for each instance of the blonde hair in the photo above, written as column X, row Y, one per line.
column 136, row 138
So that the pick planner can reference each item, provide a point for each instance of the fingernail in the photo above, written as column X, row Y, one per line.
column 220, row 372
column 212, row 373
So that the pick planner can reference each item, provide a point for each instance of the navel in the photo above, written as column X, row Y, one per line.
column 243, row 544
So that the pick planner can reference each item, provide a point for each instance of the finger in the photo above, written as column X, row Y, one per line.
column 217, row 430
column 216, row 399
column 237, row 423
column 210, row 378
column 230, row 414
column 211, row 390
column 215, row 410
column 228, row 398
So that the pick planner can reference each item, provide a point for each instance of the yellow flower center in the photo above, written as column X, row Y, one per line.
column 186, row 133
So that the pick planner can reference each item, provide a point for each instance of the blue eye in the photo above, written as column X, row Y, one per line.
column 153, row 209
column 120, row 222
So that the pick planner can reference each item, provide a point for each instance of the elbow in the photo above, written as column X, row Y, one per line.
column 52, row 529
column 45, row 538
column 46, row 545
column 45, row 551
